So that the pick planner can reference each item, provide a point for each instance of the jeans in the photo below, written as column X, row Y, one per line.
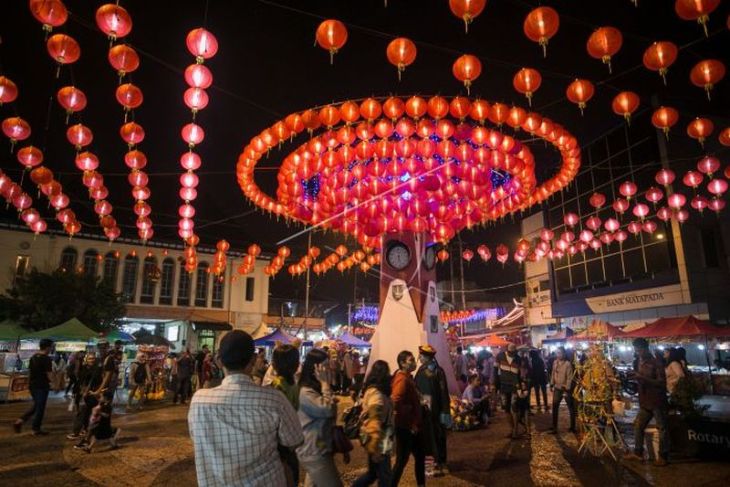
column 406, row 443
column 558, row 395
column 183, row 390
column 83, row 413
column 538, row 388
column 379, row 471
column 321, row 472
column 71, row 383
column 640, row 423
column 38, row 409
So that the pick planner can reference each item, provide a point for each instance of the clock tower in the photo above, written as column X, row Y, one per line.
column 409, row 308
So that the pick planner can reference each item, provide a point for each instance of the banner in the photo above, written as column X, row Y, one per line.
column 643, row 298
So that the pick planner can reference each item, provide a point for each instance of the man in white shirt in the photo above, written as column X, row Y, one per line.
column 237, row 426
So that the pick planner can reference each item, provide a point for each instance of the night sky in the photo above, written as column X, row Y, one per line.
column 267, row 67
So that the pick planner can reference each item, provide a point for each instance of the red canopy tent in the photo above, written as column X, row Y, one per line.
column 492, row 341
column 598, row 331
column 685, row 326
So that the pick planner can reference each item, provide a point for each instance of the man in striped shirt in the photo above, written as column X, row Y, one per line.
column 237, row 426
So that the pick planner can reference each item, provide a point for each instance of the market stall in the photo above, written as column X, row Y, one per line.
column 352, row 341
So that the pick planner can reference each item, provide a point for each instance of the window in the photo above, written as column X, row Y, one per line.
column 219, row 285
column 91, row 263
column 201, row 285
column 111, row 267
column 183, row 289
column 22, row 264
column 166, row 280
column 68, row 259
column 150, row 276
column 129, row 278
column 250, row 282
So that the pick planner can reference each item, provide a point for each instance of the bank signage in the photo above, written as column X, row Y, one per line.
column 644, row 298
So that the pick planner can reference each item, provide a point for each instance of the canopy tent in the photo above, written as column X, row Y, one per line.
column 10, row 331
column 115, row 335
column 685, row 326
column 349, row 339
column 278, row 335
column 598, row 331
column 492, row 341
column 70, row 331
column 559, row 337
column 156, row 340
column 261, row 331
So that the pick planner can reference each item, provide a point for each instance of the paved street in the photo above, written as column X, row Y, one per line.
column 156, row 451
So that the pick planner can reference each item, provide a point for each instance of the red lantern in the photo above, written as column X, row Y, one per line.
column 41, row 175
column 604, row 43
column 516, row 117
column 63, row 49
column 190, row 161
column 331, row 35
column 8, row 90
column 442, row 255
column 717, row 187
column 196, row 99
column 659, row 56
column 682, row 216
column 649, row 227
column 467, row 255
column 132, row 133
column 39, row 226
column 135, row 159
column 611, row 225
column 192, row 134
column 571, row 219
column 527, row 81
column 189, row 180
column 51, row 189
column 15, row 128
column 627, row 189
column 123, row 58
column 401, row 52
column 466, row 69
column 664, row 214
column 640, row 210
column 129, row 96
column 664, row 118
column 692, row 179
column 579, row 92
column 79, row 135
column 30, row 156
column 708, row 165
column 546, row 234
column 665, row 177
column 467, row 10
column 699, row 203
column 59, row 201
column 114, row 21
column 71, row 99
column 620, row 205
column 594, row 223
column 654, row 195
column 707, row 73
column 597, row 200
column 87, row 161
column 540, row 25
column 201, row 44
column 50, row 13
column 198, row 76
column 676, row 201
column 716, row 205
column 625, row 103
column 698, row 10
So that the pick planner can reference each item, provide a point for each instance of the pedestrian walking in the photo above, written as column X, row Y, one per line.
column 90, row 377
column 460, row 365
column 58, row 372
column 408, row 420
column 237, row 426
column 40, row 369
column 431, row 383
column 72, row 370
column 100, row 426
column 317, row 412
column 185, row 368
column 139, row 378
column 561, row 383
column 285, row 361
column 376, row 432
column 538, row 378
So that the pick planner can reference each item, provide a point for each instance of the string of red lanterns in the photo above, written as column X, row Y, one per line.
column 22, row 202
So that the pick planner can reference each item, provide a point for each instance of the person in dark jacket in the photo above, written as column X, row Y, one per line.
column 40, row 369
column 185, row 369
column 652, row 381
column 408, row 420
column 509, row 367
column 90, row 377
column 538, row 378
column 431, row 383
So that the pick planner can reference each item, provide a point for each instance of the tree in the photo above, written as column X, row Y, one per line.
column 40, row 300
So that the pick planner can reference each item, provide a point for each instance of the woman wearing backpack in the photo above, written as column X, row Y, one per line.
column 317, row 413
column 139, row 377
column 376, row 432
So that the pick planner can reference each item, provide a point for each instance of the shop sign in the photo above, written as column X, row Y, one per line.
column 644, row 298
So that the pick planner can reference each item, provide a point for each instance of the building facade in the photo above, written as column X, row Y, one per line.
column 151, row 279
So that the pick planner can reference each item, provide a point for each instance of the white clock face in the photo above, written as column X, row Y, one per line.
column 398, row 256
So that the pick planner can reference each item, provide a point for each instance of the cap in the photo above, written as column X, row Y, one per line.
column 236, row 349
column 426, row 350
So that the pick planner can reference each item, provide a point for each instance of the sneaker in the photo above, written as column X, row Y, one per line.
column 81, row 446
column 660, row 462
column 18, row 426
column 40, row 433
column 73, row 436
column 634, row 457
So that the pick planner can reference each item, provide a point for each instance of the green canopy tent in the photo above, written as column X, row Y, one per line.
column 70, row 331
column 11, row 331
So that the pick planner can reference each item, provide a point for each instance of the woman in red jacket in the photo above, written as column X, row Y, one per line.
column 408, row 423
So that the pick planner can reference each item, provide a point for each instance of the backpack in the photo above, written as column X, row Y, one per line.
column 353, row 418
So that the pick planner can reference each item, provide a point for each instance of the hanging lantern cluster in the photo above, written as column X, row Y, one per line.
column 305, row 262
column 203, row 45
column 424, row 165
column 278, row 261
column 13, row 194
column 219, row 258
column 249, row 260
column 329, row 262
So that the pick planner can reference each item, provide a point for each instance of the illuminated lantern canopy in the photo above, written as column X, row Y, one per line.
column 8, row 90
column 707, row 73
column 699, row 129
column 698, row 10
column 401, row 52
column 579, row 92
column 50, row 13
column 123, row 58
column 664, row 118
column 114, row 21
column 624, row 104
column 527, row 81
column 202, row 44
column 467, row 10
column 63, row 49
column 541, row 25
column 659, row 56
column 466, row 69
column 331, row 35
column 604, row 43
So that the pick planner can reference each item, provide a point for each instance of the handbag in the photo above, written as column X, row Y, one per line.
column 353, row 419
column 340, row 442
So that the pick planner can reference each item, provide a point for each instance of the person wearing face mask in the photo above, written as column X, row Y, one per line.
column 508, row 376
column 408, row 420
column 431, row 383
